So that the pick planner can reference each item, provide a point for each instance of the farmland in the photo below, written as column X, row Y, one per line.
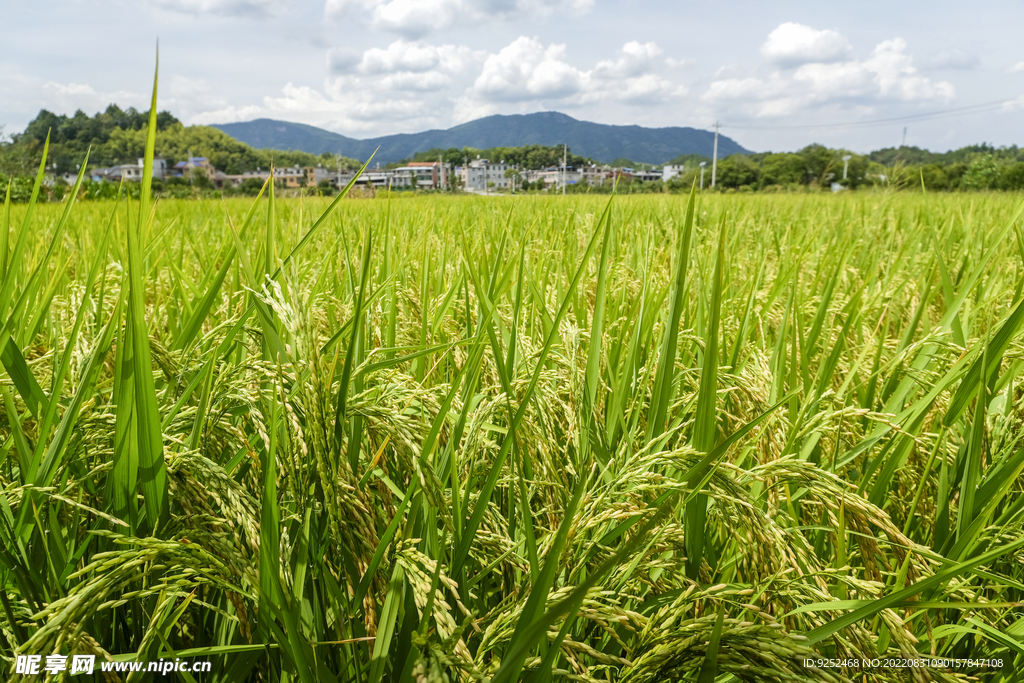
column 646, row 438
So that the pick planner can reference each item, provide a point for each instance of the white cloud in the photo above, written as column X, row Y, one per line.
column 341, row 8
column 679, row 63
column 635, row 59
column 416, row 57
column 341, row 60
column 794, row 44
column 417, row 18
column 188, row 97
column 413, row 85
column 886, row 75
column 376, row 92
column 68, row 97
column 526, row 71
column 228, row 8
column 954, row 58
column 184, row 97
column 1016, row 68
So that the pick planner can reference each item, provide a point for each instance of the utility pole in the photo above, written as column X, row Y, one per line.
column 714, row 155
column 904, row 137
column 565, row 151
column 846, row 164
column 702, row 165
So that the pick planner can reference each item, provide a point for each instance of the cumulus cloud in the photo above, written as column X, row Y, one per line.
column 187, row 97
column 415, row 18
column 679, row 63
column 416, row 57
column 341, row 60
column 527, row 71
column 229, row 8
column 406, row 86
column 67, row 97
column 413, row 84
column 794, row 44
column 953, row 59
column 634, row 59
column 887, row 74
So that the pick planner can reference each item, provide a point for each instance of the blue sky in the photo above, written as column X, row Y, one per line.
column 774, row 74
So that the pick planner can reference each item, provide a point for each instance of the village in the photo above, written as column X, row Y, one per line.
column 479, row 176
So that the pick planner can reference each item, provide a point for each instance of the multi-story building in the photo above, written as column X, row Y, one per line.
column 317, row 174
column 555, row 176
column 185, row 168
column 482, row 173
column 378, row 178
column 237, row 180
column 420, row 175
column 130, row 172
column 647, row 176
column 283, row 177
column 290, row 177
column 595, row 175
column 670, row 171
column 433, row 171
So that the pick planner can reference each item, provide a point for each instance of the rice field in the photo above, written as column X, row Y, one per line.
column 638, row 439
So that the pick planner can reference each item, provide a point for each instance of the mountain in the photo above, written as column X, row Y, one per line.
column 595, row 140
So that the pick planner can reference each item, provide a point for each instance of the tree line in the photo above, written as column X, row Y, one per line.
column 977, row 167
column 118, row 136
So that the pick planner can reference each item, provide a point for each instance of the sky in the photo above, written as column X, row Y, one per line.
column 777, row 76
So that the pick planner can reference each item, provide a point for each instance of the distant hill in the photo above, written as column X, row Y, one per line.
column 595, row 140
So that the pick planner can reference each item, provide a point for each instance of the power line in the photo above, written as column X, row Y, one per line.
column 945, row 113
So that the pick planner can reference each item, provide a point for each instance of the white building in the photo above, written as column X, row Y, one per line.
column 671, row 171
column 421, row 175
column 130, row 172
column 648, row 176
column 317, row 174
column 482, row 173
column 595, row 175
column 555, row 176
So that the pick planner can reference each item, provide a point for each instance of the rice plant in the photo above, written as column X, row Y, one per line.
column 457, row 439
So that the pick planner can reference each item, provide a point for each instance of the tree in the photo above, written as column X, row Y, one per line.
column 783, row 169
column 982, row 174
column 819, row 162
column 934, row 177
column 513, row 175
column 737, row 171
column 250, row 187
column 200, row 181
column 1012, row 177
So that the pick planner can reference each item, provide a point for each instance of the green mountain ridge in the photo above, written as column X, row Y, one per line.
column 595, row 140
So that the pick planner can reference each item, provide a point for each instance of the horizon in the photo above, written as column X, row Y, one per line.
column 982, row 143
column 778, row 78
